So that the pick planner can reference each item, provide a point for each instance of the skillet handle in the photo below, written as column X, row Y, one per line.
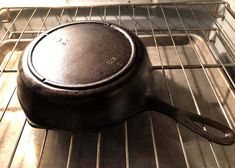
column 189, row 120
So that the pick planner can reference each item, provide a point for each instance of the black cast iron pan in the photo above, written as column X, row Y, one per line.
column 86, row 76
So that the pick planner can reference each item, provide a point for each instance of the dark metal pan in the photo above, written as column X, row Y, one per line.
column 87, row 76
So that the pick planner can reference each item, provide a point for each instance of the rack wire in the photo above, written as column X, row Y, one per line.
column 148, row 139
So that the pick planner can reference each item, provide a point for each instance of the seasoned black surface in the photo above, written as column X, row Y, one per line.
column 82, row 54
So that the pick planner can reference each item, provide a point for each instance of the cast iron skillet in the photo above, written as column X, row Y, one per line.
column 86, row 76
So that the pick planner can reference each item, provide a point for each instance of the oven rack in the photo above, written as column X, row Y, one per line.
column 203, row 27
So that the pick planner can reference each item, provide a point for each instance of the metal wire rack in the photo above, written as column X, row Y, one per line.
column 192, row 49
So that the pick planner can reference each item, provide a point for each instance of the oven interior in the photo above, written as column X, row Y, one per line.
column 192, row 50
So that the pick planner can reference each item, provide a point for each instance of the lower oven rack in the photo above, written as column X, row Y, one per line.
column 192, row 49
